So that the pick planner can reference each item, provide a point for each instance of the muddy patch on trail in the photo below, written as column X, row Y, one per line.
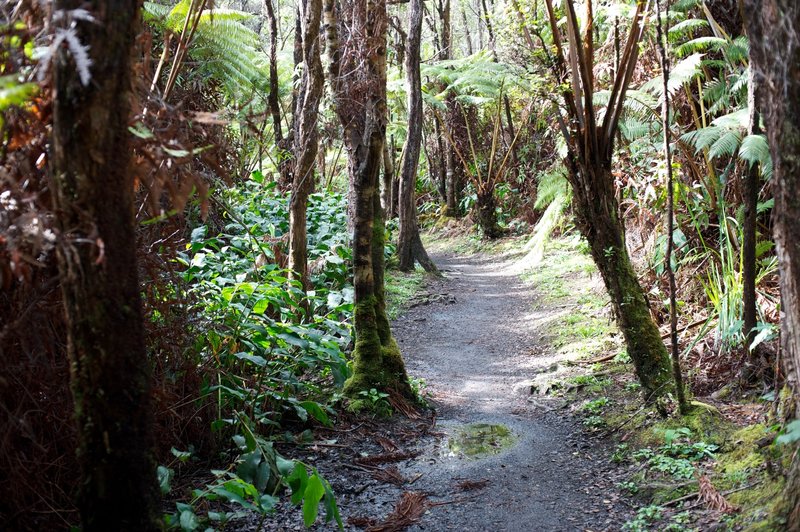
column 476, row 440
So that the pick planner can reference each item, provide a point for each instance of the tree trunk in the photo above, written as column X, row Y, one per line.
column 750, row 197
column 409, row 244
column 467, row 34
column 597, row 214
column 387, row 190
column 358, row 80
column 486, row 208
column 590, row 146
column 273, row 101
column 775, row 57
column 306, row 139
column 93, row 197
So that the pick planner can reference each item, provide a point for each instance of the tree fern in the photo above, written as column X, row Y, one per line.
column 755, row 149
column 700, row 45
column 224, row 48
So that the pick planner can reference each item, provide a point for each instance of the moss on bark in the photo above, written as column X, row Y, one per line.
column 376, row 364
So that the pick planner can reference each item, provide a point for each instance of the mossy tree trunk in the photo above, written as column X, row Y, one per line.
column 93, row 197
column 358, row 80
column 598, row 221
column 773, row 26
column 486, row 209
column 590, row 147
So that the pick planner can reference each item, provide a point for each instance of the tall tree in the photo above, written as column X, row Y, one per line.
column 93, row 197
column 306, row 137
column 663, row 43
column 773, row 27
column 589, row 153
column 410, row 248
column 357, row 75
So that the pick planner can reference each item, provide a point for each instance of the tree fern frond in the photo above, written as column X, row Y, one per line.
column 685, row 5
column 700, row 44
column 726, row 145
column 684, row 71
column 702, row 138
column 687, row 27
column 738, row 51
column 152, row 12
column 738, row 119
column 755, row 149
column 553, row 186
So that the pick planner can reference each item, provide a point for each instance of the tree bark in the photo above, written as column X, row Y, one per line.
column 597, row 214
column 306, row 139
column 750, row 197
column 677, row 374
column 590, row 147
column 409, row 243
column 358, row 81
column 93, row 197
column 387, row 190
column 273, row 101
column 773, row 26
column 486, row 208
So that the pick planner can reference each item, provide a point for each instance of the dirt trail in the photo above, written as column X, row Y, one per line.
column 476, row 345
column 476, row 338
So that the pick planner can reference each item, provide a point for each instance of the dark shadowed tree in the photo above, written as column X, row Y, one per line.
column 357, row 74
column 93, row 196
column 409, row 243
column 773, row 28
column 590, row 146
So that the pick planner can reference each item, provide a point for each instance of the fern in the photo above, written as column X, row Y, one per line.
column 755, row 149
column 553, row 186
column 687, row 27
column 223, row 47
column 726, row 145
column 684, row 71
column 699, row 45
column 702, row 138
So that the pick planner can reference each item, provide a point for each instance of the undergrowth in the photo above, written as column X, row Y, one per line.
column 664, row 459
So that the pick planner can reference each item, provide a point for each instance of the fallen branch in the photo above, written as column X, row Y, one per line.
column 685, row 328
column 696, row 493
column 387, row 458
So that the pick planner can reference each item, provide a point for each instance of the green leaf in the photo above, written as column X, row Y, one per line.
column 313, row 494
column 189, row 520
column 792, row 433
column 165, row 476
column 12, row 92
column 254, row 359
column 297, row 481
column 141, row 131
column 316, row 411
column 183, row 456
column 331, row 509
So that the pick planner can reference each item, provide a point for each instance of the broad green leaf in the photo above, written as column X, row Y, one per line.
column 313, row 494
column 189, row 520
column 316, row 411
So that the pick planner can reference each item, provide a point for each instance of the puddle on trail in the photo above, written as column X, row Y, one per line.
column 477, row 440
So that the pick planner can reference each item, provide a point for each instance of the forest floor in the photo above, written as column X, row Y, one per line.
column 513, row 441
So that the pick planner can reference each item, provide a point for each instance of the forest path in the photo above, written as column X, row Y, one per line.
column 476, row 344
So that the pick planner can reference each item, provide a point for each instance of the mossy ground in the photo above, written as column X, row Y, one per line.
column 609, row 398
column 401, row 289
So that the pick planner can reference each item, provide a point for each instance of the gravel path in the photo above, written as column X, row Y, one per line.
column 476, row 338
column 476, row 345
